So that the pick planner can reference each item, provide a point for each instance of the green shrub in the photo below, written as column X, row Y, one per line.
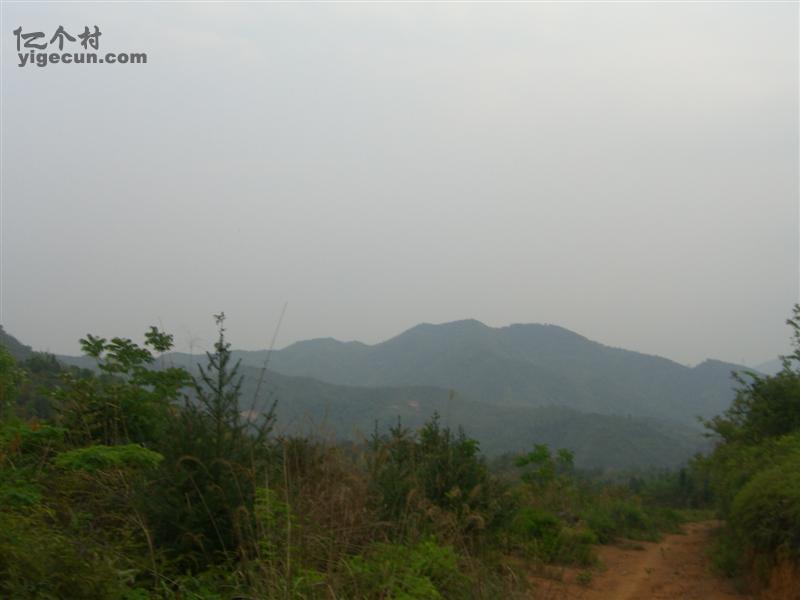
column 541, row 468
column 539, row 533
column 16, row 492
column 766, row 512
column 38, row 561
column 610, row 519
column 436, row 480
column 726, row 554
column 542, row 536
column 25, row 450
column 94, row 458
column 425, row 571
column 536, row 523
column 576, row 547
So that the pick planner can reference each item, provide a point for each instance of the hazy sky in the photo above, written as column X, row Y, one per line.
column 628, row 171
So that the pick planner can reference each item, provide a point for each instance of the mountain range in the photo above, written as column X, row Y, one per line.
column 509, row 387
column 516, row 366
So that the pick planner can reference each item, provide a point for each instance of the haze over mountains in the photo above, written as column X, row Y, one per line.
column 770, row 367
column 509, row 387
column 519, row 365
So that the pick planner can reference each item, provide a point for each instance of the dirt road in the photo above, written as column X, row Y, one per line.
column 674, row 568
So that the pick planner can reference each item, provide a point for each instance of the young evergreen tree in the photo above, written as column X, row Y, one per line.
column 218, row 391
column 218, row 456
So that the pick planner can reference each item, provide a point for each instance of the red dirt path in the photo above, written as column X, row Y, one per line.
column 676, row 568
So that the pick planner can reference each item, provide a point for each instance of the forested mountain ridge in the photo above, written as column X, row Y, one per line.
column 344, row 412
column 16, row 348
column 529, row 365
column 348, row 412
column 518, row 365
column 309, row 406
column 509, row 388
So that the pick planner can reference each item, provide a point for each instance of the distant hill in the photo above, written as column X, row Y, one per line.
column 599, row 441
column 307, row 405
column 519, row 365
column 511, row 387
column 16, row 348
column 341, row 412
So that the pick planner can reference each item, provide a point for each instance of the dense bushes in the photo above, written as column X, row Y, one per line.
column 435, row 481
column 39, row 559
column 758, row 494
column 619, row 517
column 755, row 475
column 426, row 571
column 767, row 509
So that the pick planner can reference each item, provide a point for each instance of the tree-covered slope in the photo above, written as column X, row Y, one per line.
column 309, row 406
column 15, row 348
column 508, row 387
column 518, row 365
column 342, row 412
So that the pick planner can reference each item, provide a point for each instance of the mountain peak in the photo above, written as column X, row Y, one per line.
column 460, row 324
column 323, row 343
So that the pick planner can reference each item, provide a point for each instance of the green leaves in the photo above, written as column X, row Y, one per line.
column 11, row 378
column 766, row 512
column 435, row 476
column 120, row 355
column 424, row 571
column 129, row 401
column 543, row 467
column 158, row 340
column 755, row 470
column 123, row 356
column 94, row 458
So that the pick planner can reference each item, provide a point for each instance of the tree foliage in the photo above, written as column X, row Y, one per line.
column 129, row 401
column 753, row 470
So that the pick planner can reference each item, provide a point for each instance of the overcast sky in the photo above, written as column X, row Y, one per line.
column 628, row 171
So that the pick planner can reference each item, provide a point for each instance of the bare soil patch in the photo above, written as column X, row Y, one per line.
column 677, row 567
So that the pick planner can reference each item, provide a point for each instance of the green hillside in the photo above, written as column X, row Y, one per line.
column 518, row 365
column 508, row 388
column 16, row 348
column 599, row 441
column 339, row 412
